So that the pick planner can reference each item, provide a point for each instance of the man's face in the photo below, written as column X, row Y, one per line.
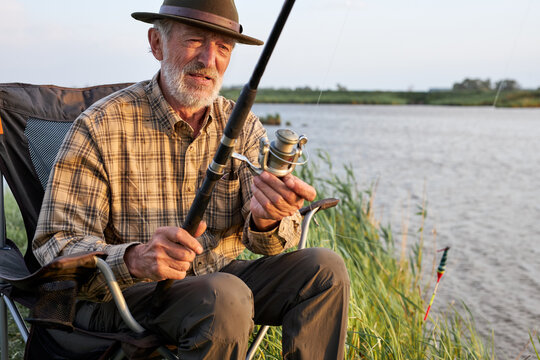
column 194, row 61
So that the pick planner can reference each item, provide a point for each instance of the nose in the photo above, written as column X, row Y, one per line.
column 207, row 56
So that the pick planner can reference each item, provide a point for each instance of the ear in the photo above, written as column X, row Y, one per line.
column 156, row 45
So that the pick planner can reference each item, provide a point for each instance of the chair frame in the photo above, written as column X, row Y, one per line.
column 7, row 304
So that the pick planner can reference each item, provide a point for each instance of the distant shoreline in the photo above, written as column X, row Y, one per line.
column 514, row 98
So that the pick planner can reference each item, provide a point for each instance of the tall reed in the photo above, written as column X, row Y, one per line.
column 387, row 307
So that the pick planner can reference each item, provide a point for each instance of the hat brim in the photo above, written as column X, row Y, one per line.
column 151, row 17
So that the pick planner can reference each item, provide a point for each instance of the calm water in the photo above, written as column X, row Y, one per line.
column 478, row 169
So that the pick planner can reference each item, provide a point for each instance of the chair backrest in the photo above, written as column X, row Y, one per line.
column 33, row 122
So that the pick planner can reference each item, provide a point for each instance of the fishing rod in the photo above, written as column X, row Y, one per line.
column 234, row 126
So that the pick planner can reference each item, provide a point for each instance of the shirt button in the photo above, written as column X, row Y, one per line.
column 190, row 188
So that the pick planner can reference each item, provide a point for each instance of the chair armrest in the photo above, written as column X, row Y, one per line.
column 66, row 267
column 50, row 292
column 322, row 204
column 308, row 211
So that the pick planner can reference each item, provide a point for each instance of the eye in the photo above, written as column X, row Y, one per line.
column 194, row 42
column 225, row 48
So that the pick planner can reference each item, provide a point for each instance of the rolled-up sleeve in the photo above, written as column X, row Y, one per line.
column 285, row 236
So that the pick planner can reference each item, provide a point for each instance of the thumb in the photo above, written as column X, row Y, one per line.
column 200, row 229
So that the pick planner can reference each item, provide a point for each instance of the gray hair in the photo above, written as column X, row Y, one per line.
column 164, row 27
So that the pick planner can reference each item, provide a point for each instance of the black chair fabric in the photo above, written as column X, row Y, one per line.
column 44, row 140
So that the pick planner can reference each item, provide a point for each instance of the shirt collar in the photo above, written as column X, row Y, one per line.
column 164, row 113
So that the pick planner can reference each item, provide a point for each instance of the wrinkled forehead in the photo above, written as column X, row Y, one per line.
column 183, row 30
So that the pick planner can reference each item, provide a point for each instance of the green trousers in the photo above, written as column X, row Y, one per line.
column 212, row 316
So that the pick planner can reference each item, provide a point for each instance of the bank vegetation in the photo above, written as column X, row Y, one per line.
column 469, row 92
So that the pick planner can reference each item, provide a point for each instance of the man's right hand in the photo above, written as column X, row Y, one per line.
column 168, row 255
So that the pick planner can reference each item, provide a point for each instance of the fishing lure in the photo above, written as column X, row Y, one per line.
column 440, row 272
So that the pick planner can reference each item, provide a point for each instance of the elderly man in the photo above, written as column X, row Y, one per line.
column 126, row 176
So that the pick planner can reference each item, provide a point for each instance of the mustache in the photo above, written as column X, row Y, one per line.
column 197, row 68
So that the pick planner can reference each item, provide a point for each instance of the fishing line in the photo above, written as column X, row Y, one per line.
column 518, row 35
column 340, row 36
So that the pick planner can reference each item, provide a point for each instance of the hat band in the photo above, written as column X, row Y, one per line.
column 200, row 15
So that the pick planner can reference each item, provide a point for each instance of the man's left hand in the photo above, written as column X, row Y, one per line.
column 274, row 198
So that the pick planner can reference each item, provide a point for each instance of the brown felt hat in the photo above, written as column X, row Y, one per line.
column 215, row 15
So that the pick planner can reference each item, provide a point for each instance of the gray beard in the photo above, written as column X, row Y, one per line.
column 190, row 96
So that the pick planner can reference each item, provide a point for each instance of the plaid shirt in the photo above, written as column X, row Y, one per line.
column 129, row 165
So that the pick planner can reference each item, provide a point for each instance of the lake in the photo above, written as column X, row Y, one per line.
column 477, row 167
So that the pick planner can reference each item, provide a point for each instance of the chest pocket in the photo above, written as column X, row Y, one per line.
column 225, row 205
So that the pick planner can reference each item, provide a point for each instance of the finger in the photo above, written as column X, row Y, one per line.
column 173, row 275
column 162, row 250
column 167, row 273
column 256, row 208
column 260, row 218
column 153, row 261
column 179, row 266
column 174, row 262
column 277, row 192
column 201, row 228
column 300, row 187
column 180, row 236
column 272, row 181
column 263, row 207
column 283, row 201
column 178, row 252
column 184, row 238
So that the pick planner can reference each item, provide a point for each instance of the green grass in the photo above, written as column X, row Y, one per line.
column 535, row 347
column 516, row 98
column 387, row 298
column 15, row 231
column 15, row 226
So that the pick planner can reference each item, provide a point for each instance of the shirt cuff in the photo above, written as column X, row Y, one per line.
column 115, row 259
column 274, row 241
column 96, row 288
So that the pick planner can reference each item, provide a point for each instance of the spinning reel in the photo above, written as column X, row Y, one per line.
column 280, row 156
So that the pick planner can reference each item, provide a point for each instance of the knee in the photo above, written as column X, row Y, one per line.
column 230, row 293
column 328, row 266
column 231, row 304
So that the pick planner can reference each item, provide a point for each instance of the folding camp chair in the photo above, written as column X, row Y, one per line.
column 33, row 122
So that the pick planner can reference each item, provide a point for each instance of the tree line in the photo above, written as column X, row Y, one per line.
column 475, row 84
column 486, row 85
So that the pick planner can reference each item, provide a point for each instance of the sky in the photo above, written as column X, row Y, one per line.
column 359, row 44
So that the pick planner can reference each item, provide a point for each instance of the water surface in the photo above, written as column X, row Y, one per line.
column 478, row 170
